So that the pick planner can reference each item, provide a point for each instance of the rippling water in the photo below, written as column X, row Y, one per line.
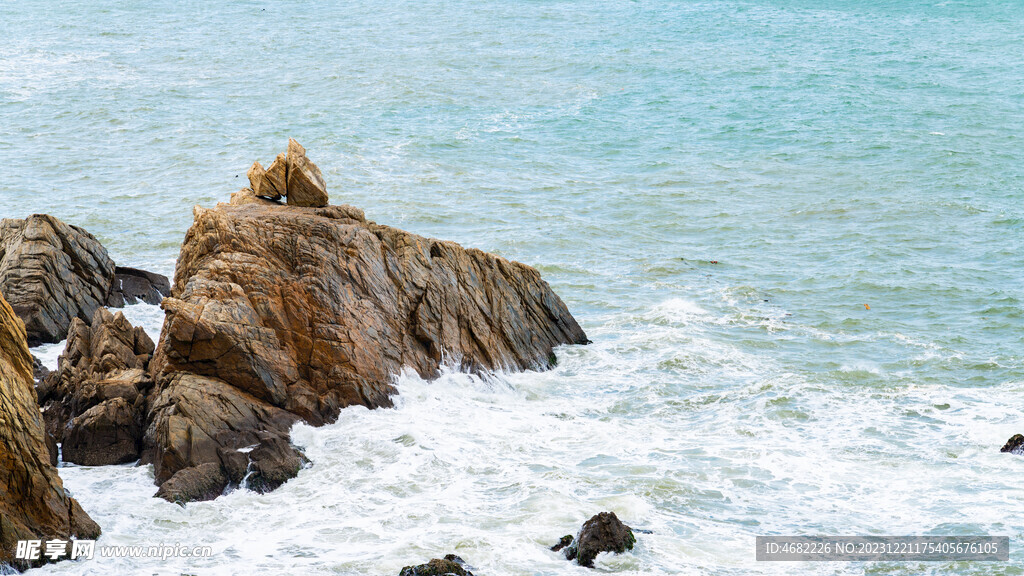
column 793, row 233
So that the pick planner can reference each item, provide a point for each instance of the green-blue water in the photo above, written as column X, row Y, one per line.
column 718, row 190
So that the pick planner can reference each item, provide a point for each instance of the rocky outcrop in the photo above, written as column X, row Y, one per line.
column 449, row 565
column 107, row 433
column 291, row 175
column 602, row 533
column 52, row 273
column 280, row 313
column 1015, row 445
column 195, row 420
column 95, row 401
column 33, row 502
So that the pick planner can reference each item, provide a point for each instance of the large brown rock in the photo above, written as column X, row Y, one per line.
column 33, row 502
column 197, row 422
column 107, row 433
column 94, row 402
column 52, row 273
column 280, row 313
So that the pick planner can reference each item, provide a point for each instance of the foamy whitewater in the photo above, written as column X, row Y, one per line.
column 794, row 235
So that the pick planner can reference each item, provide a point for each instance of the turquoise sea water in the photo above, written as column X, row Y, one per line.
column 792, row 229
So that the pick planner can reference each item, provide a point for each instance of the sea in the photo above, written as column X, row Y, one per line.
column 793, row 230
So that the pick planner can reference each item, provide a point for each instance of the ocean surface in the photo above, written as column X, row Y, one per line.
column 793, row 230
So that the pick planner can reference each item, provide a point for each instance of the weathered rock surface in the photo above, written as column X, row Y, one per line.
column 33, row 502
column 280, row 313
column 261, row 186
column 95, row 401
column 52, row 273
column 1015, row 445
column 306, row 186
column 107, row 433
column 450, row 564
column 602, row 533
column 291, row 175
column 196, row 420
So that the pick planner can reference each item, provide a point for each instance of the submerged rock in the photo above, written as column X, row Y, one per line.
column 132, row 286
column 1015, row 445
column 52, row 273
column 94, row 402
column 450, row 564
column 280, row 313
column 563, row 542
column 33, row 502
column 202, row 482
column 602, row 533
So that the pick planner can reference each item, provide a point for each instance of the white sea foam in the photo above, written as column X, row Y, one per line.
column 496, row 468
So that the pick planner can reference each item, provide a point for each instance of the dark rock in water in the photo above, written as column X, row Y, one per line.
column 1015, row 445
column 203, row 482
column 602, row 533
column 451, row 564
column 132, row 286
column 107, row 433
column 39, row 372
column 33, row 502
column 94, row 402
column 280, row 313
column 562, row 543
column 272, row 463
column 52, row 273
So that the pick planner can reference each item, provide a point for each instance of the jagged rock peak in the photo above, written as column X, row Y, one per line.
column 291, row 175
